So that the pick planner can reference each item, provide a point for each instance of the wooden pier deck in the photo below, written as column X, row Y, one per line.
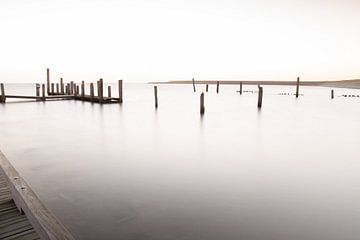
column 22, row 214
column 13, row 224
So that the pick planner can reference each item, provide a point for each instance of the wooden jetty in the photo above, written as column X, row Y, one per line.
column 22, row 215
column 70, row 91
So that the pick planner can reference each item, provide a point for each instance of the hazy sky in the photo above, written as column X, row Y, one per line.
column 146, row 40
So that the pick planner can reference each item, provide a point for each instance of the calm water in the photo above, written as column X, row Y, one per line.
column 289, row 171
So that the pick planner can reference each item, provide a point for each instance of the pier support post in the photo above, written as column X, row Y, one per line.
column 71, row 87
column 43, row 92
column 120, row 91
column 68, row 89
column 260, row 96
column 109, row 91
column 57, row 89
column 62, row 86
column 77, row 90
column 297, row 87
column 156, row 96
column 38, row 91
column 207, row 87
column 101, row 90
column 241, row 88
column 82, row 90
column 52, row 89
column 2, row 97
column 48, row 80
column 217, row 86
column 92, row 92
column 332, row 93
column 202, row 104
column 193, row 82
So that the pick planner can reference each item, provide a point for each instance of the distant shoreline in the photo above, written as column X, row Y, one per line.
column 338, row 84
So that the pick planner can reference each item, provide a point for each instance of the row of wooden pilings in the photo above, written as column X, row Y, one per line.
column 79, row 90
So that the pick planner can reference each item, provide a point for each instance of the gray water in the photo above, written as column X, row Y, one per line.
column 289, row 171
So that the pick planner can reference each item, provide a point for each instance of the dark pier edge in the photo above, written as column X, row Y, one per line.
column 44, row 222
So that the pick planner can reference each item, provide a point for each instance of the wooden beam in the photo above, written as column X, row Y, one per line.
column 101, row 90
column 57, row 89
column 332, row 93
column 3, row 96
column 92, row 92
column 120, row 91
column 62, row 86
column 43, row 221
column 52, row 89
column 156, row 96
column 109, row 91
column 241, row 84
column 217, row 86
column 82, row 89
column 193, row 82
column 43, row 92
column 202, row 104
column 260, row 96
column 207, row 87
column 48, row 80
column 297, row 87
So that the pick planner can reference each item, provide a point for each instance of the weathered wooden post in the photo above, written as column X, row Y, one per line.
column 156, row 96
column 68, row 89
column 332, row 93
column 207, row 87
column 75, row 89
column 202, row 104
column 72, row 88
column 3, row 96
column 109, row 91
column 82, row 90
column 92, row 92
column 57, row 89
column 120, row 91
column 48, row 80
column 193, row 82
column 217, row 86
column 43, row 92
column 101, row 93
column 241, row 88
column 260, row 96
column 52, row 89
column 297, row 87
column 62, row 86
column 38, row 90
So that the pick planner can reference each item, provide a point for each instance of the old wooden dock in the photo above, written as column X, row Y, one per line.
column 67, row 91
column 22, row 215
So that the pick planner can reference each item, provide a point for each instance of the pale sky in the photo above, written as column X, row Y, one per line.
column 158, row 40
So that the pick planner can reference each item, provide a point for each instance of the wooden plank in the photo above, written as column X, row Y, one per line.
column 43, row 221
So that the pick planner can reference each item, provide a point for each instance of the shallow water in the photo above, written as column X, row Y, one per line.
column 289, row 171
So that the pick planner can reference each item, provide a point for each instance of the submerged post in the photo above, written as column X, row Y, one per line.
column 82, row 89
column 43, row 92
column 61, row 86
column 202, row 104
column 2, row 97
column 217, row 86
column 48, row 80
column 207, row 87
column 120, row 91
column 297, row 87
column 260, row 96
column 92, row 92
column 156, row 96
column 332, row 93
column 109, row 91
column 193, row 82
column 240, row 88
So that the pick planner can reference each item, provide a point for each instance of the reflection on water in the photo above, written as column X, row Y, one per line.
column 289, row 171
